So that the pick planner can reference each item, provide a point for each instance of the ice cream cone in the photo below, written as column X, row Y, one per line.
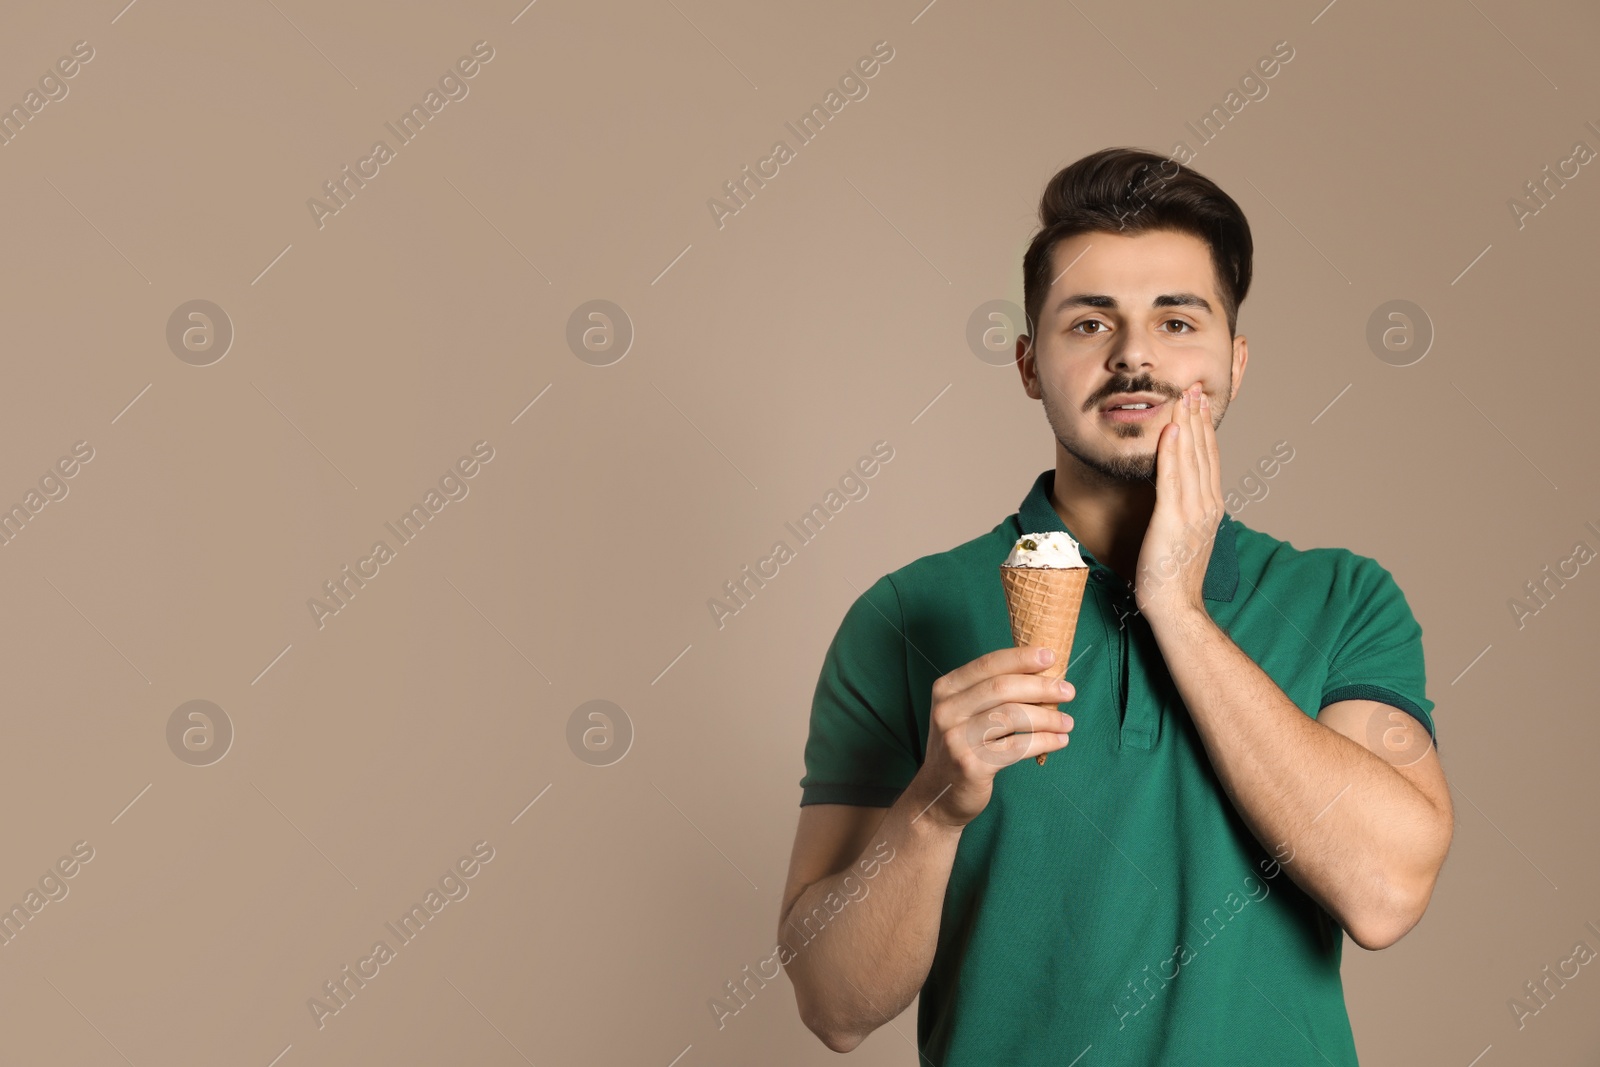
column 1044, row 604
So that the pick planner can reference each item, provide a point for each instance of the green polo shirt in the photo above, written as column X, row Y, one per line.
column 1112, row 904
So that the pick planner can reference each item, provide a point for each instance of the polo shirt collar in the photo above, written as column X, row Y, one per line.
column 1038, row 515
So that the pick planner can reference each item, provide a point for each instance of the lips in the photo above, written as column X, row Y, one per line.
column 1111, row 410
column 1135, row 414
column 1153, row 399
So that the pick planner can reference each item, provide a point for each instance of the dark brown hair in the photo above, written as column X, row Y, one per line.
column 1129, row 191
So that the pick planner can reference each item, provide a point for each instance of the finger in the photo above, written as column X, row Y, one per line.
column 1020, row 689
column 1001, row 752
column 1207, row 483
column 1213, row 450
column 1025, row 659
column 1202, row 451
column 1031, row 718
column 1001, row 735
column 1188, row 472
column 1167, row 485
column 1040, row 742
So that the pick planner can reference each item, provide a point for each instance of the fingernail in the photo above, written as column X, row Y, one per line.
column 1205, row 401
column 1046, row 655
column 1064, row 686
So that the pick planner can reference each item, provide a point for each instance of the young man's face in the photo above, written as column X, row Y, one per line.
column 1142, row 315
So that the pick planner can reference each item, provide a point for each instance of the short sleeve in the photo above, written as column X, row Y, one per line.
column 862, row 745
column 1380, row 652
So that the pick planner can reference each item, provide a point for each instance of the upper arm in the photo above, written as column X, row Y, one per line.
column 1376, row 690
column 830, row 837
column 1399, row 739
column 861, row 751
column 1394, row 736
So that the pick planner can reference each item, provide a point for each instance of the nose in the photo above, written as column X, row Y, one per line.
column 1130, row 355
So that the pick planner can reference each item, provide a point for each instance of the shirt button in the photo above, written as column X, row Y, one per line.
column 1096, row 576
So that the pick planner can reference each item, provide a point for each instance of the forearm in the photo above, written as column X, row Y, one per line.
column 1360, row 839
column 859, row 967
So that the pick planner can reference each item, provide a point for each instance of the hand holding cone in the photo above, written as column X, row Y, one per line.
column 1044, row 596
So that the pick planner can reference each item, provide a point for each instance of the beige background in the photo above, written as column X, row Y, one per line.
column 769, row 355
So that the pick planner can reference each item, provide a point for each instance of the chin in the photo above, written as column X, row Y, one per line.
column 1113, row 466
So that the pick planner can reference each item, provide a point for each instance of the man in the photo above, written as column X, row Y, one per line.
column 1242, row 710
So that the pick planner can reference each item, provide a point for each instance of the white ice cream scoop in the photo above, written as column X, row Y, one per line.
column 1052, row 549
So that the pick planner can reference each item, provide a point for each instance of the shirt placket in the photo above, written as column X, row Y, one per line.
column 1131, row 645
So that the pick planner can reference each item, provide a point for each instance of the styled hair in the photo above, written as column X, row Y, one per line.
column 1130, row 191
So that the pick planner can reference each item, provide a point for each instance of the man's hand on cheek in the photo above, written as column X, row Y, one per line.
column 1177, row 544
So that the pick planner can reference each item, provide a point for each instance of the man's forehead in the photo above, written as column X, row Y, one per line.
column 1117, row 272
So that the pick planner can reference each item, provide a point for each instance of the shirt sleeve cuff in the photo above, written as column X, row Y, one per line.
column 867, row 796
column 1382, row 695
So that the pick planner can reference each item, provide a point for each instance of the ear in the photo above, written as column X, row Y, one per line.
column 1241, row 356
column 1027, row 367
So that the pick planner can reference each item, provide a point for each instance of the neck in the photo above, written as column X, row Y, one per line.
column 1108, row 517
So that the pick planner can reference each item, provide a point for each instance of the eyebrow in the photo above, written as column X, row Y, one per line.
column 1165, row 300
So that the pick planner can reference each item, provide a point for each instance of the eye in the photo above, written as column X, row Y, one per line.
column 1179, row 322
column 1088, row 322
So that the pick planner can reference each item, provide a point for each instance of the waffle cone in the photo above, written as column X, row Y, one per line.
column 1044, row 604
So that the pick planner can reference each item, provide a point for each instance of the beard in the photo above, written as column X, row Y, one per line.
column 1100, row 455
column 1098, row 445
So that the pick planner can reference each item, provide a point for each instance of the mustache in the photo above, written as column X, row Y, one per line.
column 1131, row 385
